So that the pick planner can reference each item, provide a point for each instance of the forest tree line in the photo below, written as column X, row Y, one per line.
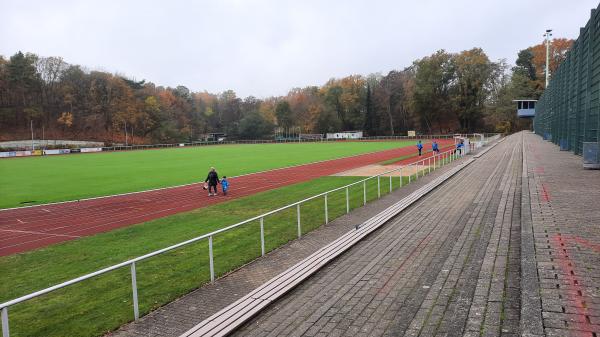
column 440, row 93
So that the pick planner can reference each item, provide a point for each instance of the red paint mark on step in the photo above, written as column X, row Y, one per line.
column 545, row 193
column 593, row 246
column 575, row 293
column 386, row 288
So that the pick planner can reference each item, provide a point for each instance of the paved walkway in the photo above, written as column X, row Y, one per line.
column 564, row 230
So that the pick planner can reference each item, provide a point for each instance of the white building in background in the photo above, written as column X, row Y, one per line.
column 345, row 135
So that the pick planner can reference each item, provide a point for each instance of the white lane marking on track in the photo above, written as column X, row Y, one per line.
column 193, row 183
column 20, row 221
column 38, row 233
column 45, row 210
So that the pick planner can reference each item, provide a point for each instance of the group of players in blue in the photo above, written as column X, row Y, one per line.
column 436, row 149
column 212, row 179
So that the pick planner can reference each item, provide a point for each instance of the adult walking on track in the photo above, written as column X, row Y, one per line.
column 212, row 179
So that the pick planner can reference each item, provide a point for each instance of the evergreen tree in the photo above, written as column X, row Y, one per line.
column 370, row 126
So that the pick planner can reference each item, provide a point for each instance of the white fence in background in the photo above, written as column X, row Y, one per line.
column 27, row 148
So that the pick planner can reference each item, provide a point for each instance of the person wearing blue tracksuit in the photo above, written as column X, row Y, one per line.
column 434, row 147
column 420, row 147
column 459, row 147
column 224, row 185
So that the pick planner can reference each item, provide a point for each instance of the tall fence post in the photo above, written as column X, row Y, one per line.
column 364, row 192
column 262, row 236
column 210, row 259
column 390, row 183
column 5, row 331
column 136, row 308
column 378, row 187
column 299, row 225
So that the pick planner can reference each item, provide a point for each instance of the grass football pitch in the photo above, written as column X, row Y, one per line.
column 37, row 180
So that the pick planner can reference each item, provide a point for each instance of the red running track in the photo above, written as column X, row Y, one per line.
column 28, row 228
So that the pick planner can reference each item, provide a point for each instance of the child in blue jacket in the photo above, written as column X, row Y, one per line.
column 224, row 185
column 435, row 148
column 419, row 147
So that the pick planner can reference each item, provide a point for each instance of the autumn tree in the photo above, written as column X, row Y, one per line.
column 443, row 92
column 255, row 126
column 23, row 82
column 558, row 53
column 474, row 78
column 283, row 112
column 433, row 84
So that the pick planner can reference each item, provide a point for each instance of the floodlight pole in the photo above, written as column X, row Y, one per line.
column 547, row 35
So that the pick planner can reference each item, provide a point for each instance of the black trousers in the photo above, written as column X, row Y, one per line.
column 211, row 186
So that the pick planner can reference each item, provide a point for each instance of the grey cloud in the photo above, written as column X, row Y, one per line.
column 265, row 48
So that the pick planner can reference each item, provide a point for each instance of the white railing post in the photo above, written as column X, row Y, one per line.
column 390, row 183
column 417, row 171
column 262, row 236
column 136, row 308
column 326, row 210
column 429, row 164
column 409, row 176
column 299, row 225
column 434, row 161
column 401, row 177
column 378, row 187
column 210, row 259
column 347, row 202
column 364, row 192
column 5, row 331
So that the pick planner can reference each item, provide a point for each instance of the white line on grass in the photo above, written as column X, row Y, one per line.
column 183, row 185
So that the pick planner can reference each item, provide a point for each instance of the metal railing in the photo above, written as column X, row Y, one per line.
column 420, row 167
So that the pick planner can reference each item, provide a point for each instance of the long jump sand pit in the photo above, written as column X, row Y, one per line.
column 375, row 169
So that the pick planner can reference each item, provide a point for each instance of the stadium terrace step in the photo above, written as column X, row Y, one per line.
column 226, row 320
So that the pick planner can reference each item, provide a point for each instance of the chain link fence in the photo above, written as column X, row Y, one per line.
column 568, row 113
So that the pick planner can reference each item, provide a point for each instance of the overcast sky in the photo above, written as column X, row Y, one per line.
column 265, row 48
